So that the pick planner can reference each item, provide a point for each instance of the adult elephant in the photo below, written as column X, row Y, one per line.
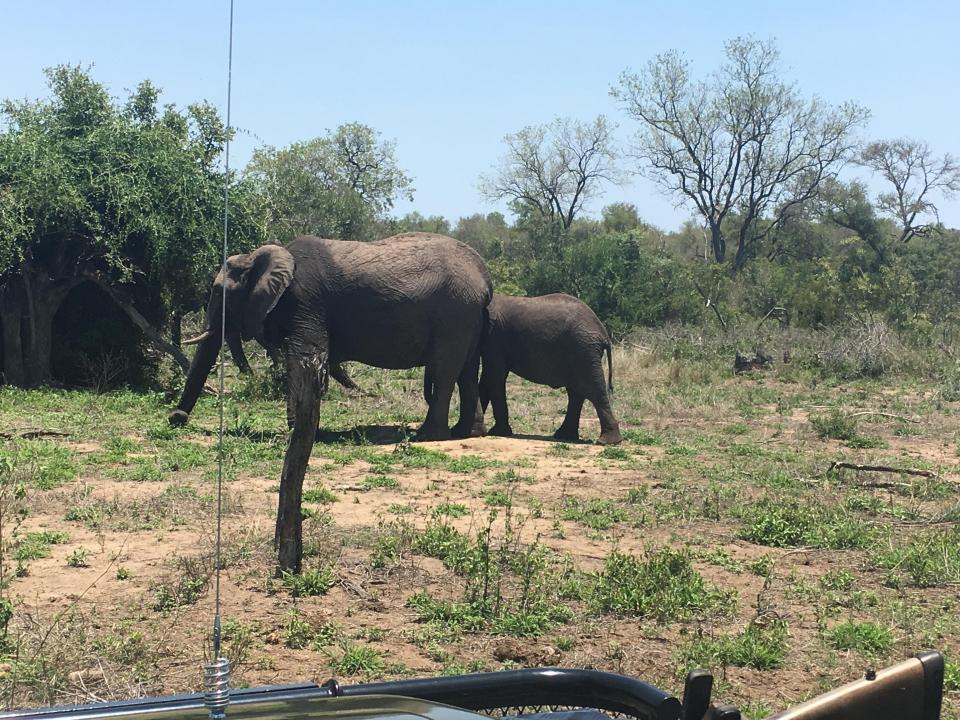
column 416, row 299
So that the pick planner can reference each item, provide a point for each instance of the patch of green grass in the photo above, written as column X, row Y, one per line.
column 380, row 482
column 469, row 464
column 737, row 428
column 309, row 583
column 479, row 615
column 400, row 509
column 866, row 637
column 612, row 452
column 837, row 581
column 595, row 513
column 951, row 676
column 864, row 442
column 790, row 523
column 36, row 545
column 141, row 470
column 559, row 449
column 497, row 498
column 661, row 585
column 78, row 558
column 183, row 590
column 926, row 560
column 321, row 495
column 510, row 477
column 447, row 509
column 297, row 632
column 642, row 437
column 45, row 465
column 761, row 646
column 835, row 425
column 183, row 456
column 358, row 660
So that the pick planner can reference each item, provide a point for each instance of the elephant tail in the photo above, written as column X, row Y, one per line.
column 609, row 349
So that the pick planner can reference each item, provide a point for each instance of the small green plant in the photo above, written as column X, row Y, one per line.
column 78, row 558
column 380, row 482
column 869, row 638
column 320, row 495
column 864, row 442
column 358, row 660
column 642, row 437
column 309, row 583
column 453, row 510
column 611, row 452
column 123, row 573
column 297, row 633
column 559, row 449
column 595, row 513
column 400, row 509
column 185, row 587
column 497, row 498
column 837, row 580
column 835, row 425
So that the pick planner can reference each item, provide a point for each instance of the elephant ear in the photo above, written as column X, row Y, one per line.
column 270, row 272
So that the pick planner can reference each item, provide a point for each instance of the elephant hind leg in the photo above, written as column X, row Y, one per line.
column 496, row 384
column 570, row 428
column 600, row 398
column 471, row 422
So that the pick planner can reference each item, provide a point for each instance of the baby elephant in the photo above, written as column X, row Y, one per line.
column 553, row 340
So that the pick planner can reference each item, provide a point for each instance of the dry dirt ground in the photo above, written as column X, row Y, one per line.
column 122, row 602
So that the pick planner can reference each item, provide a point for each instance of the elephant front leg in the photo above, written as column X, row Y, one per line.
column 497, row 384
column 305, row 376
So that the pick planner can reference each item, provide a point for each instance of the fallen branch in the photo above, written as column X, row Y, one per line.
column 883, row 414
column 838, row 465
column 34, row 434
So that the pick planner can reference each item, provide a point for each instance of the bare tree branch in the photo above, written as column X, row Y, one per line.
column 555, row 169
column 740, row 145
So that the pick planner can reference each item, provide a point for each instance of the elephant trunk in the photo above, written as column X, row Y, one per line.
column 199, row 370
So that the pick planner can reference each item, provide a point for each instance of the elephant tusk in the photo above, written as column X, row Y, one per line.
column 198, row 339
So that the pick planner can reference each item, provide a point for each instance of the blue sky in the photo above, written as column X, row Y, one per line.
column 447, row 80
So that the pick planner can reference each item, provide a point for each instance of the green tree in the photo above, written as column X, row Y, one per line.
column 741, row 144
column 125, row 197
column 337, row 185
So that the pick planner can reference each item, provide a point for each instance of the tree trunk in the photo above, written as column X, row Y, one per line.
column 141, row 322
column 42, row 296
column 718, row 243
column 11, row 317
column 41, row 321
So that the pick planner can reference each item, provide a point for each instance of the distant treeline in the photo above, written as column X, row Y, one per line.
column 111, row 215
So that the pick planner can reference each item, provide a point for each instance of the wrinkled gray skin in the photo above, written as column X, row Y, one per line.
column 553, row 340
column 416, row 299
